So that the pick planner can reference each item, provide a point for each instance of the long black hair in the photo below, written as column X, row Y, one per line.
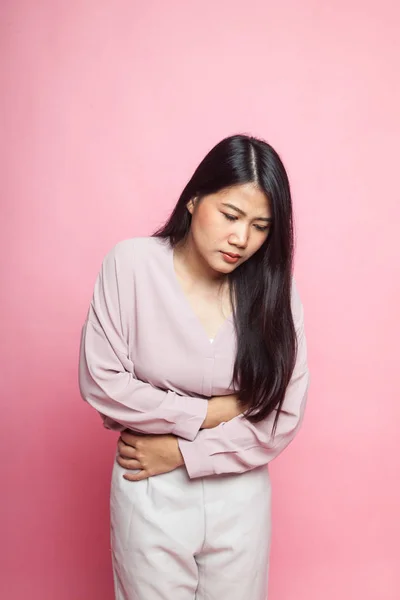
column 261, row 287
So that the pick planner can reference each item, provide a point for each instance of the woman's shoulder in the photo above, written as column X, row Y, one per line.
column 134, row 252
column 296, row 303
column 136, row 247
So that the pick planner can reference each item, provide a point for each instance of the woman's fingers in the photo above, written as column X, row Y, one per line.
column 128, row 457
column 125, row 450
column 136, row 476
column 129, row 463
column 129, row 438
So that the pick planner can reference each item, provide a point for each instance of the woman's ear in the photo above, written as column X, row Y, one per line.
column 191, row 204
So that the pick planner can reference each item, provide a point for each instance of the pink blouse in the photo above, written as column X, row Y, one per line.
column 147, row 364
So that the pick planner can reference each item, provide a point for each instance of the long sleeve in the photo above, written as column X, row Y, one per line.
column 107, row 378
column 238, row 445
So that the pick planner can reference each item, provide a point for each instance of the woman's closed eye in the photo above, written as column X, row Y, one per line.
column 262, row 228
column 230, row 217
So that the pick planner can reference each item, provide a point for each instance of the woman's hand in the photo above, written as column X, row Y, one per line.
column 151, row 454
column 221, row 409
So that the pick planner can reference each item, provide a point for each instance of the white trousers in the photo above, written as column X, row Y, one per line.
column 179, row 539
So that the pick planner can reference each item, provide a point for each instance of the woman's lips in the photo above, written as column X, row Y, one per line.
column 230, row 258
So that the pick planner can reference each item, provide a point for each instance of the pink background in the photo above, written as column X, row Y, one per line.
column 107, row 108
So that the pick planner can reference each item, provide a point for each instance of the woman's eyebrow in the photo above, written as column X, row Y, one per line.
column 240, row 211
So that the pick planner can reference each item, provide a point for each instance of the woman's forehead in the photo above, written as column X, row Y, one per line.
column 248, row 198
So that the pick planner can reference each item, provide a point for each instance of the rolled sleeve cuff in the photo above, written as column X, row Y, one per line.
column 194, row 408
column 198, row 462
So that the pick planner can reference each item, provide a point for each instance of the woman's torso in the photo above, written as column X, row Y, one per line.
column 168, row 345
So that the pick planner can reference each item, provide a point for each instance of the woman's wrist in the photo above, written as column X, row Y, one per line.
column 210, row 420
column 221, row 409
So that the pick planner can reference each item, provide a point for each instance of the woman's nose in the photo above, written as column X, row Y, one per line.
column 240, row 236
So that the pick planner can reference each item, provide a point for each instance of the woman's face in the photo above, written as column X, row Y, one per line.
column 230, row 226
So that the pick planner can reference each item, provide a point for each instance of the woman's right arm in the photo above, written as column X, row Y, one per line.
column 106, row 374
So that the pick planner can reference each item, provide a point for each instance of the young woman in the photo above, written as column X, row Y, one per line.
column 194, row 349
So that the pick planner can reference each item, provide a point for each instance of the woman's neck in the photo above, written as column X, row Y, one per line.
column 190, row 264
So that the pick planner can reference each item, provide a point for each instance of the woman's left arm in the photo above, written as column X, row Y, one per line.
column 239, row 445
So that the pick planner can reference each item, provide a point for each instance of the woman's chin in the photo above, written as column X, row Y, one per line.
column 222, row 268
